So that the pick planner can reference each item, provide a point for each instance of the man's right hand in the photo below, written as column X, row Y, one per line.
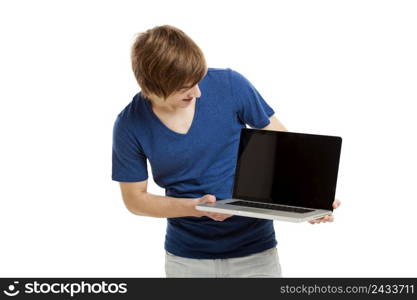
column 208, row 199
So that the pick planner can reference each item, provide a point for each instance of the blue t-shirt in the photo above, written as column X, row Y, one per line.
column 197, row 163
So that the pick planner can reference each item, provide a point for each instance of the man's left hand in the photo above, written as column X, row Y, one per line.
column 328, row 218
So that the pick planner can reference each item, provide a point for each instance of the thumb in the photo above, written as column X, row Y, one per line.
column 207, row 199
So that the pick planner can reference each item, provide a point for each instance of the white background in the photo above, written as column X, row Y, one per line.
column 345, row 68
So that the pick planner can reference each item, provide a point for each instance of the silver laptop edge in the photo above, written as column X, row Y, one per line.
column 221, row 206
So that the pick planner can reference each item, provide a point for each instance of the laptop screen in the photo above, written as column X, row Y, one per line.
column 287, row 168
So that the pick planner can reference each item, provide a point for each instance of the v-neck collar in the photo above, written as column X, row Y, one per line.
column 166, row 128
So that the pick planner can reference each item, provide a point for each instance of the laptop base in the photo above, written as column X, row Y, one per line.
column 222, row 206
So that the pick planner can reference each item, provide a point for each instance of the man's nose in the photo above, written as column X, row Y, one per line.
column 194, row 92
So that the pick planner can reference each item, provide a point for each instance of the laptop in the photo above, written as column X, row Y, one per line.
column 282, row 175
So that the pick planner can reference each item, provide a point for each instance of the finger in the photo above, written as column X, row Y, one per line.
column 211, row 215
column 227, row 215
column 336, row 203
column 315, row 221
column 328, row 218
column 209, row 199
column 223, row 216
column 324, row 219
column 219, row 217
column 215, row 216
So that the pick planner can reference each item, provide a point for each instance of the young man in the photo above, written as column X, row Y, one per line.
column 186, row 121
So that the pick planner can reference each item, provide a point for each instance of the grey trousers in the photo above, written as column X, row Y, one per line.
column 262, row 264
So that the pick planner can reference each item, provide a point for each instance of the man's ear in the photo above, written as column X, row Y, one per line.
column 144, row 94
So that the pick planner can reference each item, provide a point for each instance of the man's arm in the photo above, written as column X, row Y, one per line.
column 275, row 124
column 139, row 202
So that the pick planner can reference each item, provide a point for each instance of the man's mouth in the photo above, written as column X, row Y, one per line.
column 187, row 99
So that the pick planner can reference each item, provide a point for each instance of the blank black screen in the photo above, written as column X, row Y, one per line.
column 287, row 168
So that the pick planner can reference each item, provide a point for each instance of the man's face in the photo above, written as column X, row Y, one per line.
column 179, row 99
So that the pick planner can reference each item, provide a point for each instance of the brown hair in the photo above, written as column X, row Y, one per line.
column 164, row 59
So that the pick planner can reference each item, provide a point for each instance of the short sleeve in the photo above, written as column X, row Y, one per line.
column 128, row 158
column 252, row 108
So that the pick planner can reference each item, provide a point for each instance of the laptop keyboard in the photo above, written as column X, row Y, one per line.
column 271, row 206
